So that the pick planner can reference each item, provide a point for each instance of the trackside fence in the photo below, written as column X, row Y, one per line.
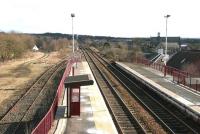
column 45, row 124
column 179, row 76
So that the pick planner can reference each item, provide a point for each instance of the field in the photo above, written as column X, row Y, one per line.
column 16, row 75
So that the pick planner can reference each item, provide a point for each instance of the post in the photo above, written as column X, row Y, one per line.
column 73, row 70
column 178, row 76
column 166, row 56
column 167, row 16
column 165, row 70
column 166, row 39
column 72, row 15
column 68, row 102
column 196, row 84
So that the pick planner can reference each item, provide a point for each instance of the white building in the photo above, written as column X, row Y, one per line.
column 35, row 48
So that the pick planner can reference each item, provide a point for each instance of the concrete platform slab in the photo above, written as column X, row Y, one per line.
column 94, row 117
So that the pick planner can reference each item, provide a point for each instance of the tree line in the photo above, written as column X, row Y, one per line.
column 15, row 45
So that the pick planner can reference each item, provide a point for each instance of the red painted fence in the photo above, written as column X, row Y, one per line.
column 45, row 124
column 179, row 76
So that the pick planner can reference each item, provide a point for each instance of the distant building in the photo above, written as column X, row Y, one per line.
column 35, row 48
column 173, row 43
column 185, row 47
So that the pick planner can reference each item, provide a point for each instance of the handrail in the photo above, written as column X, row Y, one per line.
column 45, row 124
column 179, row 76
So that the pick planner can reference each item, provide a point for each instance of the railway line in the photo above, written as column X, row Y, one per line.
column 123, row 118
column 14, row 118
column 159, row 116
column 45, row 56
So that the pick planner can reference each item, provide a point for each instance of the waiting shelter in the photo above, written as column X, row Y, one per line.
column 73, row 84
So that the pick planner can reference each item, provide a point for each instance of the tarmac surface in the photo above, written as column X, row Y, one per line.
column 158, row 77
column 183, row 95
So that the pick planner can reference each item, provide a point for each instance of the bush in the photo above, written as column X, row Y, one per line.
column 121, row 52
column 14, row 45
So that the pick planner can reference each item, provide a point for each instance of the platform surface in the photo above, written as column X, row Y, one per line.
column 94, row 117
column 184, row 95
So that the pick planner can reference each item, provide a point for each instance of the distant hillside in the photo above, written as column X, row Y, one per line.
column 83, row 37
column 137, row 40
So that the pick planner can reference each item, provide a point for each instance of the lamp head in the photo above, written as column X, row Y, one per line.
column 167, row 16
column 72, row 15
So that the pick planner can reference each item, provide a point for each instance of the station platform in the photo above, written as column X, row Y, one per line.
column 185, row 98
column 94, row 117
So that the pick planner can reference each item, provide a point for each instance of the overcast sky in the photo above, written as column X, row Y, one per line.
column 120, row 18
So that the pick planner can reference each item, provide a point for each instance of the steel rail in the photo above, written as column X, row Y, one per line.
column 124, row 118
column 26, row 101
column 168, row 119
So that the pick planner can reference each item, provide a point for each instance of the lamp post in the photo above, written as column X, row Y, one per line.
column 167, row 16
column 166, row 56
column 72, row 15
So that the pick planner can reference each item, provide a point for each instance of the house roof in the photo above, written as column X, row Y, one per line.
column 171, row 44
column 157, row 40
column 35, row 48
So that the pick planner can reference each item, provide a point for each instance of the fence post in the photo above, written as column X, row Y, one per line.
column 178, row 76
column 184, row 77
column 72, row 70
column 165, row 70
column 171, row 71
column 196, row 85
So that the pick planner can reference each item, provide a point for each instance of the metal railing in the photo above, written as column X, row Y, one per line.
column 179, row 76
column 45, row 124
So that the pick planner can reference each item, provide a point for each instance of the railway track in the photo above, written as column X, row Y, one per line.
column 124, row 119
column 13, row 118
column 166, row 113
column 45, row 56
column 172, row 121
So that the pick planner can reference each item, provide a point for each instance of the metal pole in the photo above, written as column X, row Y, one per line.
column 166, row 39
column 73, row 35
column 73, row 15
column 167, row 16
column 165, row 58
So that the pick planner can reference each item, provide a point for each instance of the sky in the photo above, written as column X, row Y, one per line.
column 118, row 18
